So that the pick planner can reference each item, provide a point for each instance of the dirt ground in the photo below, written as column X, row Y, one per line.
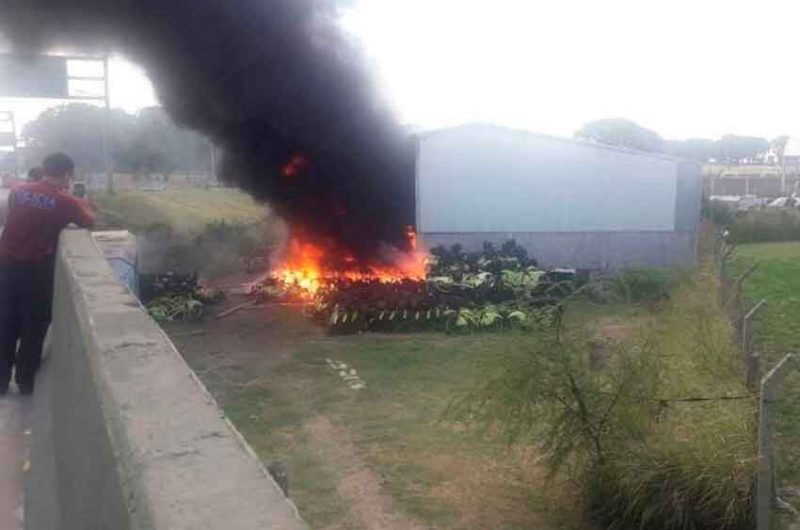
column 377, row 457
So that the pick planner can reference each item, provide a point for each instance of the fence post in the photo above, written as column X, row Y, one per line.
column 765, row 484
column 726, row 251
column 737, row 296
column 751, row 357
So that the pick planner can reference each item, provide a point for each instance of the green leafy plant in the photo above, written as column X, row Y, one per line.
column 175, row 307
column 465, row 293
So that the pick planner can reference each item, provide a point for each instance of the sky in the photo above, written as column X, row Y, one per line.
column 684, row 68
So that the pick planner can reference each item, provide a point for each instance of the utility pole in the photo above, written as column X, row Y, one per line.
column 783, row 175
column 14, row 136
column 8, row 122
column 109, row 165
column 213, row 161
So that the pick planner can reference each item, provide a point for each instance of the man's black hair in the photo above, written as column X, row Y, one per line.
column 79, row 190
column 57, row 165
column 35, row 174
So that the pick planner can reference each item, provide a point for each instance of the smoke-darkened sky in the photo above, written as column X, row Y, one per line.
column 270, row 81
column 680, row 67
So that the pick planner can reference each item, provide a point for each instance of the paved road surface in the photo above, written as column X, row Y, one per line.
column 14, row 416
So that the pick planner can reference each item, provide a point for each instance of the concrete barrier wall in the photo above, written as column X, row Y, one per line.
column 124, row 435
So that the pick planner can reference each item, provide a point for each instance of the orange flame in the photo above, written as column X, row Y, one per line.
column 411, row 236
column 307, row 266
column 295, row 166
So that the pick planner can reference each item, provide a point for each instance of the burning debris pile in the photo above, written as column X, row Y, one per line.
column 448, row 290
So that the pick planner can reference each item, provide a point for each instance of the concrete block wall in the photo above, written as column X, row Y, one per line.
column 124, row 435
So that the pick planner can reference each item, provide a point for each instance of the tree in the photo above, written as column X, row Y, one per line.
column 734, row 148
column 623, row 133
column 729, row 148
column 778, row 145
column 148, row 142
column 699, row 149
column 77, row 129
column 8, row 161
column 163, row 147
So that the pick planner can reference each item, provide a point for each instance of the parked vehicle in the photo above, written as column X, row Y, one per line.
column 742, row 203
column 784, row 202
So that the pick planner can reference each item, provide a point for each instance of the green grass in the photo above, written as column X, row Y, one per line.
column 777, row 279
column 185, row 211
column 295, row 408
column 777, row 331
column 434, row 471
column 429, row 469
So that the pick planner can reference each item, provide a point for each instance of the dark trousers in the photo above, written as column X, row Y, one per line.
column 26, row 298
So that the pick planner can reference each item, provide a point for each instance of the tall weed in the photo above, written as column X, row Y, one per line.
column 660, row 436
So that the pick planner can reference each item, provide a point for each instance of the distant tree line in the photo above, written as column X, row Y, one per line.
column 729, row 148
column 145, row 142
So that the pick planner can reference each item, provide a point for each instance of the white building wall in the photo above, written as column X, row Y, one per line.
column 487, row 179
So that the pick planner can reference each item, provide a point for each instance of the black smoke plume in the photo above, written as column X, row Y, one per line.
column 274, row 83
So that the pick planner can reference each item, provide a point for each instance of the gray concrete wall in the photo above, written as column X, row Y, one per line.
column 688, row 197
column 602, row 251
column 125, row 436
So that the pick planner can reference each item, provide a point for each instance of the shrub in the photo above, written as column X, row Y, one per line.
column 230, row 246
column 630, row 432
column 646, row 489
column 221, row 248
column 553, row 394
column 644, row 284
column 765, row 225
column 719, row 213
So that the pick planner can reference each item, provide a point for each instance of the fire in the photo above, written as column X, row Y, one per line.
column 295, row 166
column 411, row 236
column 310, row 266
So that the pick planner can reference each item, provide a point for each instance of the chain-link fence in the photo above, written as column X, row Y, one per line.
column 766, row 379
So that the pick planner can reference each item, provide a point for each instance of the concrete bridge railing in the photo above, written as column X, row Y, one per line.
column 124, row 435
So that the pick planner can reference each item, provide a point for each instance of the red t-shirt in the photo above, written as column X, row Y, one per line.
column 37, row 212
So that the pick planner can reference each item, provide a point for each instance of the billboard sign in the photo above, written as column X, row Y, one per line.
column 33, row 76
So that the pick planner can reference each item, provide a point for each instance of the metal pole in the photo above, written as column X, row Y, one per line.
column 109, row 165
column 765, row 493
column 7, row 120
column 14, row 136
column 752, row 358
column 213, row 162
column 783, row 180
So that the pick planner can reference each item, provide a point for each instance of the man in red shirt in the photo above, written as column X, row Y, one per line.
column 37, row 212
